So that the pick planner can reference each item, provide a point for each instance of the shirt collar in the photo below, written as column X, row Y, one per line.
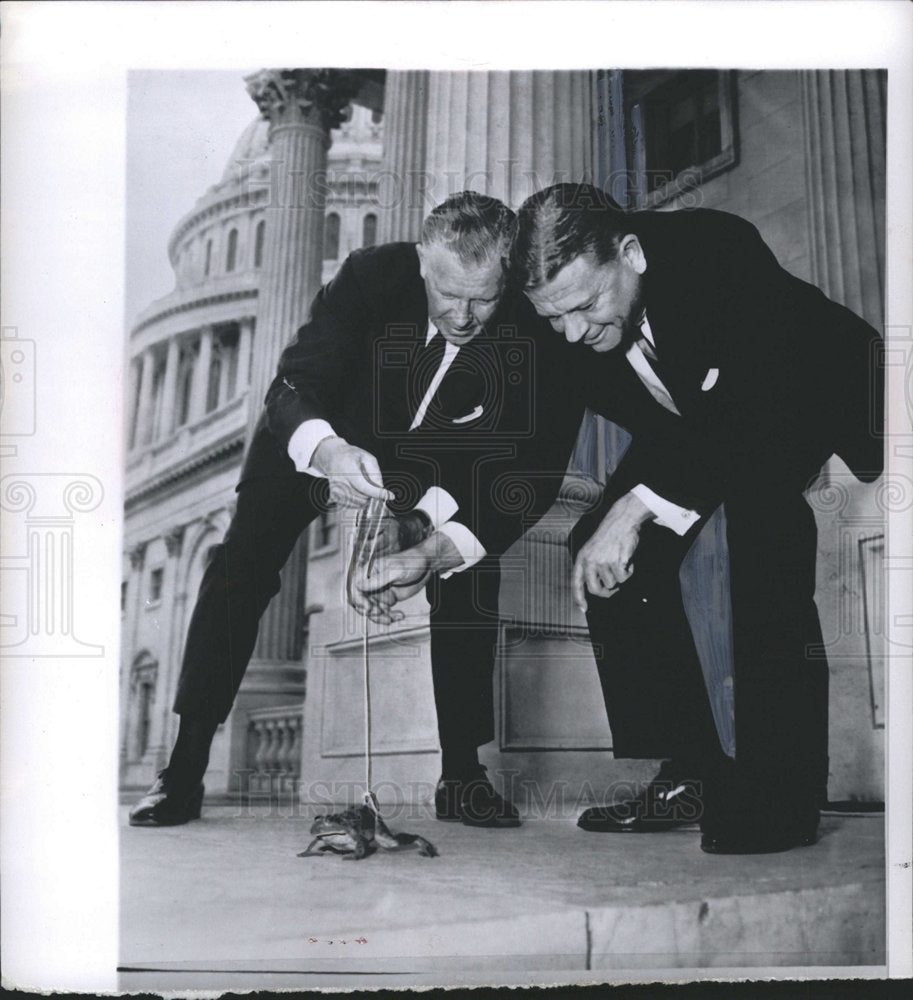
column 450, row 350
column 646, row 331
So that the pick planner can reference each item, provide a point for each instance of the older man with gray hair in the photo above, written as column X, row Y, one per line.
column 418, row 380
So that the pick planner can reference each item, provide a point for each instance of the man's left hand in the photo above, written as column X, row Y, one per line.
column 394, row 578
column 606, row 560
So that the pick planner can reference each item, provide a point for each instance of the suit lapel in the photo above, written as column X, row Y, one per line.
column 396, row 348
column 679, row 330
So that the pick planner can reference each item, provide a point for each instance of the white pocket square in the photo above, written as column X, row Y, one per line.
column 710, row 379
column 477, row 412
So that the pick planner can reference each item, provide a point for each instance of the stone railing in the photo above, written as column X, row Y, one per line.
column 274, row 748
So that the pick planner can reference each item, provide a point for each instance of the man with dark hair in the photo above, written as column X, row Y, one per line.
column 737, row 382
column 414, row 361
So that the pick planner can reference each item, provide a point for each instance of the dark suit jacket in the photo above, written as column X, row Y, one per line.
column 501, row 427
column 798, row 377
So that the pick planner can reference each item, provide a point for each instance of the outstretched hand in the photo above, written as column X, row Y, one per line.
column 606, row 560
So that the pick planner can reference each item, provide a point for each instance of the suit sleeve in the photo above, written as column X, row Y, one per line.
column 796, row 382
column 316, row 364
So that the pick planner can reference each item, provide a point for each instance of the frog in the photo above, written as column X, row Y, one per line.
column 357, row 833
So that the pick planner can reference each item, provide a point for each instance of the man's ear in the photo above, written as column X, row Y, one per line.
column 630, row 249
column 420, row 250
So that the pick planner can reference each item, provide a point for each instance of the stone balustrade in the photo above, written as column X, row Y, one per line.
column 274, row 748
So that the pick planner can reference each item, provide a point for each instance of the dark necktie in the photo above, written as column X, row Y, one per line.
column 425, row 364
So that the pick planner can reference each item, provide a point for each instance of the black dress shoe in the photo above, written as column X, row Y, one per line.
column 669, row 801
column 447, row 797
column 164, row 806
column 473, row 801
column 751, row 814
column 756, row 842
column 781, row 827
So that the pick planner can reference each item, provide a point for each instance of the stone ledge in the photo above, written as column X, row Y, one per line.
column 227, row 896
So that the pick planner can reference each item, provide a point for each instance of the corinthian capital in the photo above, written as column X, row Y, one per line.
column 303, row 96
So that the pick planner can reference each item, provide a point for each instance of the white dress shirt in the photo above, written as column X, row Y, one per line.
column 437, row 503
column 666, row 513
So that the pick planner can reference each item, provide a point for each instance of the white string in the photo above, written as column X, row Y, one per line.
column 372, row 515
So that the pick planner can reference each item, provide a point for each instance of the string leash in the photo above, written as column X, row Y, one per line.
column 371, row 521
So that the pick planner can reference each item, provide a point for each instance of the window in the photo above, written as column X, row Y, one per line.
column 369, row 231
column 185, row 389
column 215, row 380
column 258, row 243
column 156, row 579
column 331, row 238
column 681, row 129
column 231, row 258
column 208, row 263
column 230, row 347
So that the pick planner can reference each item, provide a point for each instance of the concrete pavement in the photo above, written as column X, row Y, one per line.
column 223, row 902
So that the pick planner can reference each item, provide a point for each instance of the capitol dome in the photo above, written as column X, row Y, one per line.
column 250, row 151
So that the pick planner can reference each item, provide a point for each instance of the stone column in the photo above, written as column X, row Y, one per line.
column 174, row 596
column 404, row 184
column 200, row 386
column 611, row 155
column 131, row 400
column 302, row 106
column 844, row 118
column 245, row 341
column 172, row 362
column 143, row 432
column 509, row 133
column 844, row 121
column 137, row 557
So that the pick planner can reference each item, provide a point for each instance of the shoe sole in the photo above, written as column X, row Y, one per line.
column 196, row 807
column 759, row 848
column 158, row 822
column 490, row 824
column 632, row 829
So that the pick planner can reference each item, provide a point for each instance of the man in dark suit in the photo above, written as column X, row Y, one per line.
column 413, row 361
column 737, row 382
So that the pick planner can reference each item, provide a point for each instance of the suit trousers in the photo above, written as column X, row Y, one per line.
column 242, row 576
column 652, row 681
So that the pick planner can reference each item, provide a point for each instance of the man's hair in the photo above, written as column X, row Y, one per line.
column 561, row 223
column 475, row 227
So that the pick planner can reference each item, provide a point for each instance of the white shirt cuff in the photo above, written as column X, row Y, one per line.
column 439, row 505
column 303, row 443
column 667, row 514
column 469, row 547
